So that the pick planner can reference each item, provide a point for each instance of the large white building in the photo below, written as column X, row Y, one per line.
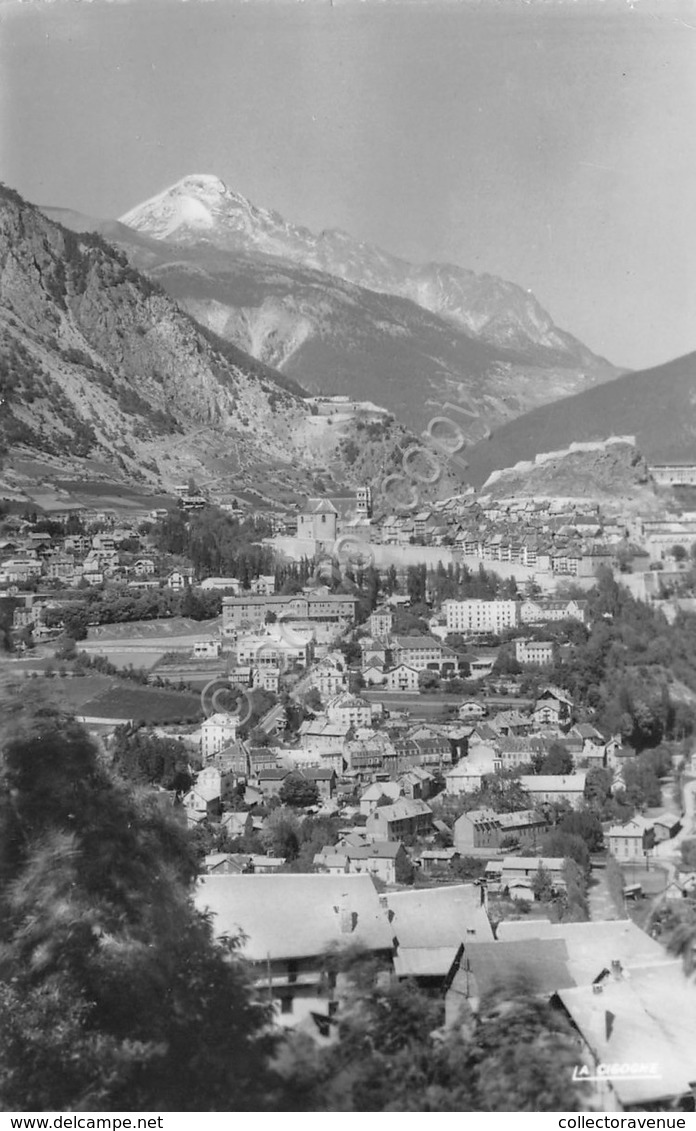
column 481, row 616
column 217, row 732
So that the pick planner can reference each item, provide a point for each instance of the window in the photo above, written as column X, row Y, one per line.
column 286, row 1005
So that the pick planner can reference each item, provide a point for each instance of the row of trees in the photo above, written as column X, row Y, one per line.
column 216, row 543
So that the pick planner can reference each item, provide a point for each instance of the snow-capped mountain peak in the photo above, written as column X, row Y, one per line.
column 201, row 209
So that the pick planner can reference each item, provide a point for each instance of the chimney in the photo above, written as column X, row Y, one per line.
column 597, row 988
column 348, row 920
column 616, row 969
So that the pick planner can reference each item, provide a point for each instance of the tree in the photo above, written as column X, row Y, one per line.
column 558, row 843
column 312, row 700
column 586, row 825
column 428, row 681
column 542, row 885
column 575, row 908
column 298, row 792
column 112, row 989
column 281, row 834
column 515, row 1054
column 688, row 853
column 75, row 622
column 559, row 760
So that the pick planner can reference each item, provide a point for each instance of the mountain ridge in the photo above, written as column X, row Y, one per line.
column 101, row 373
column 201, row 204
column 656, row 405
column 220, row 257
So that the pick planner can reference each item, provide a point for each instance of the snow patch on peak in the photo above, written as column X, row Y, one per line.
column 202, row 180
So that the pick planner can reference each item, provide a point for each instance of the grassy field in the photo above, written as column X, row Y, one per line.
column 163, row 627
column 67, row 693
column 146, row 704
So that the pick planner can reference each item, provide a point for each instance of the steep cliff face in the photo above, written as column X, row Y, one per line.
column 101, row 371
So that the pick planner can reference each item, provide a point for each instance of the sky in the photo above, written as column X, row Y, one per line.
column 550, row 142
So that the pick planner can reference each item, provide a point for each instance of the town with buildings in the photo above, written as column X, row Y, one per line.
column 384, row 749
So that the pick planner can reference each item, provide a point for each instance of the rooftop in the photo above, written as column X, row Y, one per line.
column 287, row 916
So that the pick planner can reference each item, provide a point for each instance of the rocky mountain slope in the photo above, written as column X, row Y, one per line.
column 657, row 406
column 612, row 472
column 345, row 317
column 102, row 374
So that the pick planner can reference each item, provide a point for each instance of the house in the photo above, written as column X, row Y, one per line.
column 263, row 585
column 224, row 863
column 381, row 621
column 330, row 676
column 374, row 651
column 373, row 794
column 325, row 737
column 267, row 865
column 512, row 724
column 432, row 927
column 225, row 782
column 539, row 653
column 382, row 859
column 271, row 780
column 632, row 840
column 179, row 579
column 553, row 707
column 471, row 709
column 206, row 649
column 234, row 758
column 350, row 709
column 666, row 826
column 555, row 787
column 144, row 567
column 518, row 873
column 539, row 964
column 202, row 803
column 540, row 611
column 483, row 829
column 468, row 774
column 642, row 1015
column 416, row 783
column 433, row 859
column 325, row 779
column 267, row 678
column 289, row 923
column 421, row 652
column 237, row 824
column 374, row 675
column 402, row 678
column 403, row 818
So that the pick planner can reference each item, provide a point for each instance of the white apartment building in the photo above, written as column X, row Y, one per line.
column 481, row 616
column 537, row 652
column 217, row 732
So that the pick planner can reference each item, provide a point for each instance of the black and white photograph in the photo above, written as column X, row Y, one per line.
column 348, row 560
